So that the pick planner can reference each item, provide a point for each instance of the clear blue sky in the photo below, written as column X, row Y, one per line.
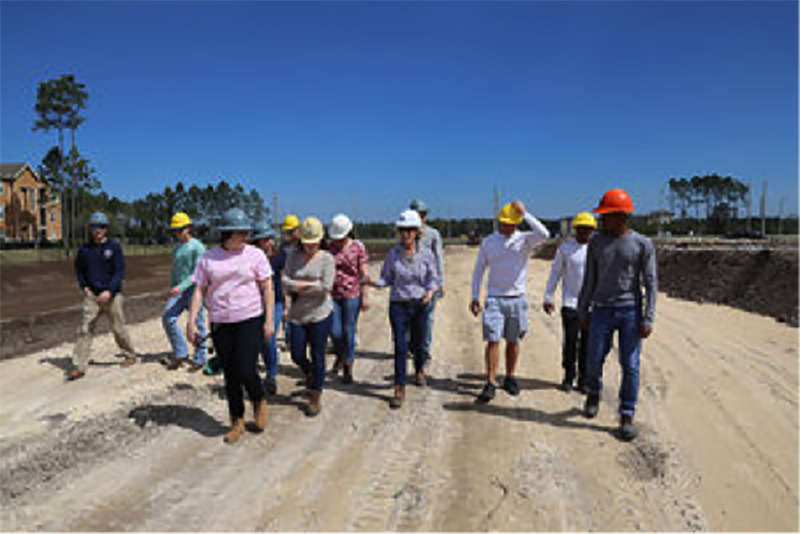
column 360, row 106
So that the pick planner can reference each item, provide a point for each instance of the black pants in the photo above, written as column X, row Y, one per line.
column 574, row 347
column 238, row 346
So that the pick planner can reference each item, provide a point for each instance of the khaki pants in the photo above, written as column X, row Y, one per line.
column 92, row 310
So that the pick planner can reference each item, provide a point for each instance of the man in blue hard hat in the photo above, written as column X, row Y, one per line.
column 100, row 269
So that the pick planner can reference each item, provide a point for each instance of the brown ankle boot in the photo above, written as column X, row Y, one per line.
column 347, row 377
column 260, row 414
column 399, row 396
column 236, row 431
column 314, row 403
column 337, row 365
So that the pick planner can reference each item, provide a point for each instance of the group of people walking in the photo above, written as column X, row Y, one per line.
column 251, row 285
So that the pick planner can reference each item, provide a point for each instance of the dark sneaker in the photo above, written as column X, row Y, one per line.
column 566, row 385
column 193, row 366
column 511, row 386
column 74, row 374
column 395, row 402
column 271, row 386
column 174, row 363
column 592, row 405
column 487, row 394
column 627, row 430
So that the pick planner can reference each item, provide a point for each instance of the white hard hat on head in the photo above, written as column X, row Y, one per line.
column 340, row 226
column 408, row 219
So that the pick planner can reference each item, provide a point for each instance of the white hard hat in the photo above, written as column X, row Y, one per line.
column 340, row 226
column 408, row 219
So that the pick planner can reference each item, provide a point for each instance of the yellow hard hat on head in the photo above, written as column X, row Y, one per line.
column 179, row 220
column 584, row 218
column 290, row 222
column 509, row 214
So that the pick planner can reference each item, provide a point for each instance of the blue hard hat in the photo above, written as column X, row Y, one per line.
column 98, row 218
column 262, row 230
column 235, row 219
column 418, row 205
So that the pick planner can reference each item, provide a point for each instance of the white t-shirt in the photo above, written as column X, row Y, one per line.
column 507, row 259
column 569, row 264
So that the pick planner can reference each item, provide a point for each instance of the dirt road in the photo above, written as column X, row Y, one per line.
column 141, row 448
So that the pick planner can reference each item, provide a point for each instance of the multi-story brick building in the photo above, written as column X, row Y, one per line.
column 28, row 210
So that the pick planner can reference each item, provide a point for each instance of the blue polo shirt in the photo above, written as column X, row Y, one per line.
column 100, row 267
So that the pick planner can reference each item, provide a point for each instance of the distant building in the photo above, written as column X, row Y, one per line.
column 28, row 209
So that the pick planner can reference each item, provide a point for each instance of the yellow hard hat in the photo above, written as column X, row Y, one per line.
column 584, row 218
column 509, row 214
column 179, row 220
column 311, row 230
column 290, row 222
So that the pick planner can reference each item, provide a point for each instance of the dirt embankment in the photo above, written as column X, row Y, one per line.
column 755, row 276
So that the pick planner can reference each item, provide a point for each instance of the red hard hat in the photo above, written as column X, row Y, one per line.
column 615, row 200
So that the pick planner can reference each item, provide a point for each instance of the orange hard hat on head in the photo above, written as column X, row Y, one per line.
column 615, row 201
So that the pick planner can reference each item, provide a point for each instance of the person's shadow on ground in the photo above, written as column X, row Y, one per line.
column 189, row 417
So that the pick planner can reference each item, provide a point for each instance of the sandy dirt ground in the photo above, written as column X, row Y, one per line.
column 141, row 448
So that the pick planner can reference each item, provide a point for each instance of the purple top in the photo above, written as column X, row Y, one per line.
column 410, row 278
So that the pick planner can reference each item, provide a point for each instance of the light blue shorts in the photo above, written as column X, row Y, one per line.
column 505, row 318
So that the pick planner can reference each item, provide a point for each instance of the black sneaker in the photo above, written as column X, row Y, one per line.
column 270, row 386
column 592, row 405
column 511, row 386
column 487, row 394
column 566, row 385
column 627, row 430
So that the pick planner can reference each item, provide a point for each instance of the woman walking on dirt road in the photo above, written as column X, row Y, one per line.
column 236, row 281
column 308, row 280
column 410, row 269
column 349, row 297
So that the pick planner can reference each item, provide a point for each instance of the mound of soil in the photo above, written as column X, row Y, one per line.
column 756, row 280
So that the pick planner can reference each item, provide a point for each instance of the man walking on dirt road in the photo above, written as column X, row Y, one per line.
column 568, row 267
column 185, row 256
column 505, row 316
column 100, row 268
column 432, row 239
column 618, row 262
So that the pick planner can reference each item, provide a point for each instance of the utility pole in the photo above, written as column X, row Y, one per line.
column 764, row 209
column 275, row 217
column 495, row 208
column 749, row 207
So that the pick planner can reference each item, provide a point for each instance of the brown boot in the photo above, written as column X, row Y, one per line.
column 347, row 377
column 129, row 360
column 236, row 431
column 337, row 365
column 74, row 374
column 399, row 396
column 314, row 403
column 260, row 414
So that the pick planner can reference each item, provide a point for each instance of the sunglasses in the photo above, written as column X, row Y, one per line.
column 97, row 227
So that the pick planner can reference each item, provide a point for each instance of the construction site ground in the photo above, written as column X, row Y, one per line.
column 141, row 448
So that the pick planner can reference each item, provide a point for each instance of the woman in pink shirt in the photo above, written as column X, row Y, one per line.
column 236, row 281
column 349, row 296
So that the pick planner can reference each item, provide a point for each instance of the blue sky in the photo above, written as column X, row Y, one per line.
column 360, row 106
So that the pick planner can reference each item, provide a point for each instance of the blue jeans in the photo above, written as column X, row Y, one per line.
column 314, row 335
column 174, row 308
column 426, row 346
column 409, row 321
column 269, row 348
column 626, row 320
column 343, row 328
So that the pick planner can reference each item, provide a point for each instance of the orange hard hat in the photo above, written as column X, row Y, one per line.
column 614, row 201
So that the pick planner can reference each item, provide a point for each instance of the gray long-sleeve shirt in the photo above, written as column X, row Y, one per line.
column 315, row 303
column 616, row 269
column 432, row 239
